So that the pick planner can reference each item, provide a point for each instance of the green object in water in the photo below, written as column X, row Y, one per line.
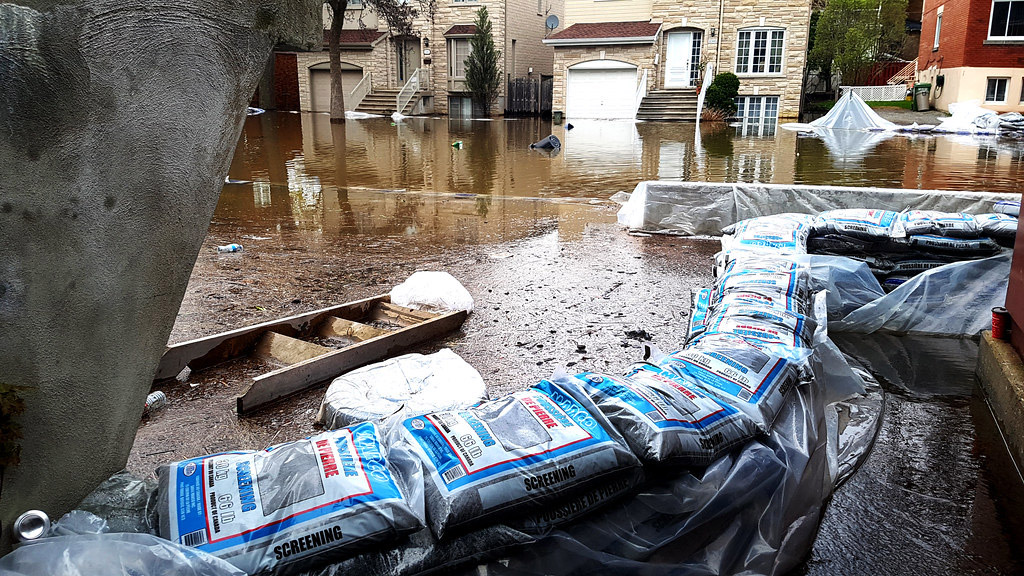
column 457, row 144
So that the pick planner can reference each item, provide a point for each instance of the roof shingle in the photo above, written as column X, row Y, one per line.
column 596, row 30
column 363, row 37
column 461, row 30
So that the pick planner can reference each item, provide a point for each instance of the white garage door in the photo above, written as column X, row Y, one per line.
column 320, row 86
column 601, row 92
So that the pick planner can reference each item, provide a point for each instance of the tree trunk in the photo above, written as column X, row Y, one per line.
column 334, row 47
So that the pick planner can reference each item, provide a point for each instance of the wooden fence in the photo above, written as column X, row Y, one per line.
column 529, row 96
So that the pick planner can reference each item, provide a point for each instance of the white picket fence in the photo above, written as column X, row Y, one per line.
column 877, row 93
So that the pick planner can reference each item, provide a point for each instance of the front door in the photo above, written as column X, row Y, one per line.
column 678, row 56
column 408, row 58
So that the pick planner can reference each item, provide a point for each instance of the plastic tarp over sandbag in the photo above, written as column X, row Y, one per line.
column 754, row 511
column 969, row 118
column 111, row 555
column 405, row 386
column 296, row 504
column 432, row 290
column 852, row 113
column 954, row 299
column 700, row 208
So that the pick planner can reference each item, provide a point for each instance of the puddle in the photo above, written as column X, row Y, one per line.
column 938, row 493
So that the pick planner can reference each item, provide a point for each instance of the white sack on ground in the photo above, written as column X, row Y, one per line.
column 406, row 386
column 438, row 291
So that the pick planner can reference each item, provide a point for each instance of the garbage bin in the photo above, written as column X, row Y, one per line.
column 921, row 93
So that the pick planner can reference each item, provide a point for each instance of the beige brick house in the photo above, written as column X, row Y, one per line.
column 611, row 54
column 437, row 49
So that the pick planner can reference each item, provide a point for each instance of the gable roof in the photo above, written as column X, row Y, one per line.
column 359, row 38
column 461, row 30
column 642, row 32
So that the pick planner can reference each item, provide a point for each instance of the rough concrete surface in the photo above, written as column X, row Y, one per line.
column 1001, row 373
column 118, row 123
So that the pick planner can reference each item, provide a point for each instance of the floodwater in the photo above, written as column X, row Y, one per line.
column 939, row 493
column 335, row 213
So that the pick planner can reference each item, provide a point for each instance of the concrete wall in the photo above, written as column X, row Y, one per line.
column 970, row 83
column 120, row 119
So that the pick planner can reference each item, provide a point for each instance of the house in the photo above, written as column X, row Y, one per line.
column 973, row 50
column 614, row 54
column 431, row 59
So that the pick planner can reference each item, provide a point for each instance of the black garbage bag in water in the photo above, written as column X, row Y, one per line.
column 550, row 142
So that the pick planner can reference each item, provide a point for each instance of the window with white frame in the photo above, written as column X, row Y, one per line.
column 458, row 51
column 757, row 108
column 1007, row 20
column 995, row 92
column 938, row 27
column 759, row 51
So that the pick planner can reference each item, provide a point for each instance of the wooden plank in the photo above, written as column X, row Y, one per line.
column 210, row 350
column 334, row 327
column 285, row 381
column 400, row 315
column 286, row 350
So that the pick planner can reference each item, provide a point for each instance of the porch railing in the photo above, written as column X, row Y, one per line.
column 887, row 93
column 641, row 91
column 905, row 74
column 355, row 97
column 419, row 80
column 709, row 72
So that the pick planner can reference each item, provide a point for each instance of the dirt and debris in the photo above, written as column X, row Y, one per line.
column 550, row 303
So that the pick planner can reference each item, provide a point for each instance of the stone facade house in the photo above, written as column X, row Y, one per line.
column 435, row 53
column 613, row 53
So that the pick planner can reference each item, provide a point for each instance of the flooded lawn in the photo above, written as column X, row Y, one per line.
column 329, row 214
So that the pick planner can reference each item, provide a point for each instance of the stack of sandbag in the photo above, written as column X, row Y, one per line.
column 898, row 245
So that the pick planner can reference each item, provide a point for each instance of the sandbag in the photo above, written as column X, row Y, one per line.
column 432, row 290
column 776, row 234
column 858, row 223
column 699, row 302
column 509, row 458
column 664, row 419
column 404, row 386
column 954, row 246
column 293, row 505
column 765, row 323
column 999, row 226
column 1011, row 207
column 840, row 245
column 755, row 379
column 955, row 224
column 775, row 285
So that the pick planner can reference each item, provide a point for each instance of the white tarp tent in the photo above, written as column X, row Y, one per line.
column 849, row 113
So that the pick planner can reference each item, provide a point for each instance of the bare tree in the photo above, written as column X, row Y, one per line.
column 397, row 15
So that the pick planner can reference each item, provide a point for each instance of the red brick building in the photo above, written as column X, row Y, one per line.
column 973, row 50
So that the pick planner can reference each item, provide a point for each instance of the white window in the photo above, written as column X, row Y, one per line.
column 938, row 27
column 1007, row 20
column 995, row 93
column 759, row 51
column 458, row 51
column 757, row 109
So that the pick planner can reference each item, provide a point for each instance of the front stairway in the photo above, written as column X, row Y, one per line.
column 383, row 101
column 673, row 105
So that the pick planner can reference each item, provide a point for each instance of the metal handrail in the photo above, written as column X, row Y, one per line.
column 355, row 97
column 641, row 91
column 419, row 80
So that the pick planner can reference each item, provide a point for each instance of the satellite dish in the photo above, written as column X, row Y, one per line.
column 551, row 22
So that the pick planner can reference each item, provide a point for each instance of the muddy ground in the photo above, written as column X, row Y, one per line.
column 542, row 302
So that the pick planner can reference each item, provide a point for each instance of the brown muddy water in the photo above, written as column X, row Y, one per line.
column 329, row 214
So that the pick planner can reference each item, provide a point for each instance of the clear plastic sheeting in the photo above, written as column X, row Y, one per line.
column 754, row 511
column 851, row 113
column 79, row 522
column 125, row 502
column 111, row 555
column 432, row 290
column 953, row 300
column 701, row 208
column 969, row 118
column 405, row 386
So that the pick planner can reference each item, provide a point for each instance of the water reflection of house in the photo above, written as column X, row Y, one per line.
column 611, row 53
column 438, row 47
